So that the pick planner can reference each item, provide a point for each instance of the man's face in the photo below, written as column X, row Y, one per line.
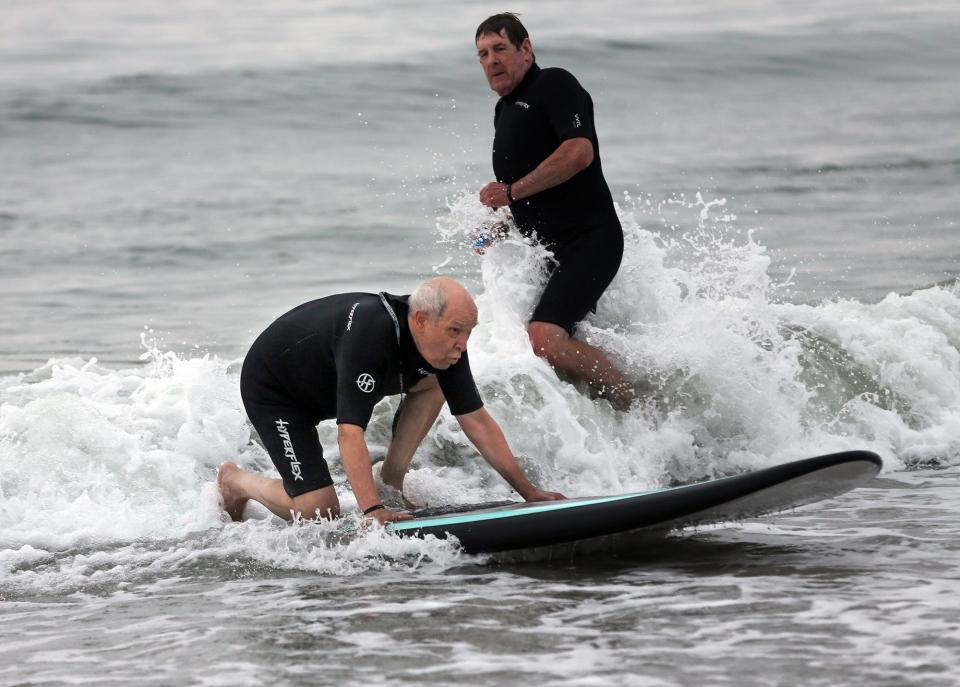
column 503, row 63
column 442, row 342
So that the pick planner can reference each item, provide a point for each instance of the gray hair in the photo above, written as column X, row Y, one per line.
column 430, row 297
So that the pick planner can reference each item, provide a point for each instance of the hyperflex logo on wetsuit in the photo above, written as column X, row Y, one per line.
column 288, row 449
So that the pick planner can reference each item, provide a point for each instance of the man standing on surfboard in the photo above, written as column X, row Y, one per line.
column 336, row 357
column 547, row 162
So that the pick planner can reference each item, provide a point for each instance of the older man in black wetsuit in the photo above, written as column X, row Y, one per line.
column 547, row 162
column 336, row 357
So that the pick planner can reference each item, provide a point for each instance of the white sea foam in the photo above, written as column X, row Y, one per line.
column 106, row 475
column 735, row 379
column 96, row 460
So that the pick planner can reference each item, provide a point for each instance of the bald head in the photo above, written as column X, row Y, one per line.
column 442, row 314
column 434, row 295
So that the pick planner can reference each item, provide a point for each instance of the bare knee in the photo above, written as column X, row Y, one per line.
column 321, row 503
column 547, row 340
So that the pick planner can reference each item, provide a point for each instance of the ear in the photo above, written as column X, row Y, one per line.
column 420, row 319
column 526, row 47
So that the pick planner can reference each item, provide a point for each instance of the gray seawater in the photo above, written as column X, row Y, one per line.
column 172, row 178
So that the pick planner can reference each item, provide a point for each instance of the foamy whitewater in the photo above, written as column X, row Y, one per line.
column 789, row 288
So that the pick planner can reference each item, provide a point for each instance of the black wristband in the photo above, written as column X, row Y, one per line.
column 510, row 193
column 369, row 510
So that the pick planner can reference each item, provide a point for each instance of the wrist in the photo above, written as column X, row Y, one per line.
column 526, row 488
column 510, row 195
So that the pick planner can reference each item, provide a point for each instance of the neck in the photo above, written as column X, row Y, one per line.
column 523, row 77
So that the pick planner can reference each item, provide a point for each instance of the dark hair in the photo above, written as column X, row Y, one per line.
column 516, row 33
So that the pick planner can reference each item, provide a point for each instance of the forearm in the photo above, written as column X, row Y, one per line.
column 355, row 457
column 569, row 159
column 486, row 435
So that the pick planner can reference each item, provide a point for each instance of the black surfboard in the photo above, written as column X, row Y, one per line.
column 487, row 528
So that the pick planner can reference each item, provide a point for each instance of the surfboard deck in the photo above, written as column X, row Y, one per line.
column 488, row 528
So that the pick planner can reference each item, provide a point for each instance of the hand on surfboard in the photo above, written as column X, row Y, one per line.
column 385, row 515
column 541, row 495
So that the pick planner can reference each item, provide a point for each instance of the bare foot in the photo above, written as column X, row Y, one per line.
column 233, row 503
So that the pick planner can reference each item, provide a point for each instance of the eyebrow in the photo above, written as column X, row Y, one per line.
column 502, row 41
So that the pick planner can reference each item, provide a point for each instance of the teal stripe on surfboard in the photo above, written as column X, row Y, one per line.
column 531, row 509
column 508, row 512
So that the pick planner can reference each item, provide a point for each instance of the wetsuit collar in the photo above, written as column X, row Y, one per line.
column 396, row 325
column 393, row 315
column 409, row 353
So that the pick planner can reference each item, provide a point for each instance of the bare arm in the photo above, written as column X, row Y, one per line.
column 356, row 463
column 569, row 159
column 419, row 411
column 484, row 432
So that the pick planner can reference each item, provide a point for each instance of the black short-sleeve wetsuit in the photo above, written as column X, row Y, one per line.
column 575, row 219
column 335, row 357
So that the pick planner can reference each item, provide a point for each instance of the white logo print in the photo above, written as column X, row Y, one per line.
column 288, row 449
column 576, row 120
column 525, row 106
column 350, row 316
column 365, row 382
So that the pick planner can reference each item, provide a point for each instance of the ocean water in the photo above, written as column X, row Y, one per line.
column 172, row 177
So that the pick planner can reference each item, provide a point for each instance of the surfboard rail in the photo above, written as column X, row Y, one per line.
column 504, row 527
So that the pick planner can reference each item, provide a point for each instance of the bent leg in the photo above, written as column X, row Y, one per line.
column 237, row 486
column 585, row 266
column 305, row 487
column 580, row 361
column 419, row 411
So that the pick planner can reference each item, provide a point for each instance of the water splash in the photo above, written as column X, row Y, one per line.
column 107, row 474
column 734, row 377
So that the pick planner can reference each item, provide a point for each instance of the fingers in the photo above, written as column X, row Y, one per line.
column 540, row 495
column 385, row 515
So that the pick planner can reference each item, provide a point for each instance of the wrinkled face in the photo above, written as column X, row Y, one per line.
column 442, row 342
column 503, row 63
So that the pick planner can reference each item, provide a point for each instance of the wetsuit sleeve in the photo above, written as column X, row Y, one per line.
column 363, row 356
column 458, row 387
column 568, row 106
